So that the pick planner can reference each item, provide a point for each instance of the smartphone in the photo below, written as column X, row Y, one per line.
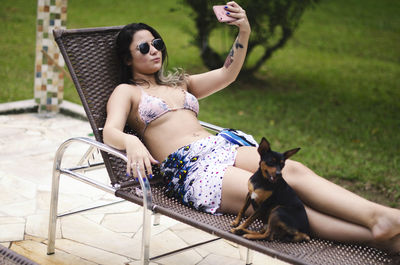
column 220, row 13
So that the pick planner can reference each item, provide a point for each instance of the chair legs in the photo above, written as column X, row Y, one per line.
column 246, row 254
column 144, row 183
column 156, row 219
column 145, row 259
column 147, row 211
column 53, row 210
column 56, row 184
column 249, row 256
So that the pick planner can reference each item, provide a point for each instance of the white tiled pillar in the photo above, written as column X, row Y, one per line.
column 49, row 77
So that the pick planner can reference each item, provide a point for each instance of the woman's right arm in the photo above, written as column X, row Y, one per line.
column 118, row 108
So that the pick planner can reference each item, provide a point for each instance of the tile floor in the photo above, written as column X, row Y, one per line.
column 107, row 235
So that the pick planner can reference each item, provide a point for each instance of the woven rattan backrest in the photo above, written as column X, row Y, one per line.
column 91, row 58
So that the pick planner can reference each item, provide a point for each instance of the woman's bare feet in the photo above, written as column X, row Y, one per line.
column 386, row 230
column 387, row 224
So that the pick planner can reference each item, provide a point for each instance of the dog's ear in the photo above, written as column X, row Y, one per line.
column 264, row 146
column 289, row 153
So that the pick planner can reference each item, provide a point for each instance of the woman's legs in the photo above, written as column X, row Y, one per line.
column 328, row 227
column 325, row 201
column 329, row 198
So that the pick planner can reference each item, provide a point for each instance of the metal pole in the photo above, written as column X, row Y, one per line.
column 55, row 184
column 147, row 206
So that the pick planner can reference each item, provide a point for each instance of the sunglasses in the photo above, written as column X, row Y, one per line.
column 144, row 47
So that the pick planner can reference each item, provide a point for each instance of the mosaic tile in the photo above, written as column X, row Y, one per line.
column 51, row 14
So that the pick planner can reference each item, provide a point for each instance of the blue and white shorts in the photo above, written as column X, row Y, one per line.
column 193, row 174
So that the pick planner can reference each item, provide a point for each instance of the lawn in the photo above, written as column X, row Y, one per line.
column 333, row 90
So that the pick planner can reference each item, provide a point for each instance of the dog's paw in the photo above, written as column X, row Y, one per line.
column 247, row 236
column 237, row 231
column 255, row 236
column 234, row 223
column 233, row 230
column 301, row 237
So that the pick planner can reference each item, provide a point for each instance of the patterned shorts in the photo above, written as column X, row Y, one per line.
column 193, row 174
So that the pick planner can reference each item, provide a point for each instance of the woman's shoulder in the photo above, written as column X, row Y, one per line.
column 126, row 89
column 124, row 92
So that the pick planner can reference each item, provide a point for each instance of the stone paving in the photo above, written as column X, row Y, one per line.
column 106, row 235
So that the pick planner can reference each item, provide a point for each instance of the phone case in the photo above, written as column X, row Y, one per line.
column 220, row 13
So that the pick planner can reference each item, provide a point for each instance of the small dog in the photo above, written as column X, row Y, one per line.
column 273, row 201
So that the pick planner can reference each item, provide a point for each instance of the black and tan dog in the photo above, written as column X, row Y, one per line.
column 273, row 201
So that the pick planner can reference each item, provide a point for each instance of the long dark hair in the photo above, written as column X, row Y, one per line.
column 123, row 42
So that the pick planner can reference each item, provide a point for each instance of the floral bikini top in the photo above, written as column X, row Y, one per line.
column 151, row 107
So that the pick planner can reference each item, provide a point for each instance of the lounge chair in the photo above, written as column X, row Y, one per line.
column 9, row 257
column 92, row 61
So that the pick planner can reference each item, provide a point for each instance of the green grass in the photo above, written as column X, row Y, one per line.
column 17, row 49
column 333, row 90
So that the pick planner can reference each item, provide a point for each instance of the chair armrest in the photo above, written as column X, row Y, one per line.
column 210, row 126
column 143, row 181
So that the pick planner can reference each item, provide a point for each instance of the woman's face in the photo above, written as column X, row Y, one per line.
column 144, row 64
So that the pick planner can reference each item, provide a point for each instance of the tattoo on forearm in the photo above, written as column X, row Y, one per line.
column 229, row 58
column 238, row 45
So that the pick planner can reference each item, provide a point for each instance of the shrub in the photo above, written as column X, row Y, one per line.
column 273, row 23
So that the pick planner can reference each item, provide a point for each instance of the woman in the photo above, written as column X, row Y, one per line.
column 213, row 173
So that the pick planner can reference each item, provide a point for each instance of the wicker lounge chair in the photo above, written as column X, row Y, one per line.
column 91, row 59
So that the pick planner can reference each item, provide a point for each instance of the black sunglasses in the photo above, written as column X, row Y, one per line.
column 144, row 47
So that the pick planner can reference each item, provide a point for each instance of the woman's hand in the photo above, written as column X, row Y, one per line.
column 235, row 11
column 139, row 158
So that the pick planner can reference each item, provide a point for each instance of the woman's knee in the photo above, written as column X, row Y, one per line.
column 247, row 158
column 295, row 171
column 293, row 167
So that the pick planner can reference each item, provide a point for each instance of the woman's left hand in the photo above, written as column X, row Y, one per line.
column 236, row 11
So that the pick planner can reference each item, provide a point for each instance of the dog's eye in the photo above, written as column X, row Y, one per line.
column 271, row 161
